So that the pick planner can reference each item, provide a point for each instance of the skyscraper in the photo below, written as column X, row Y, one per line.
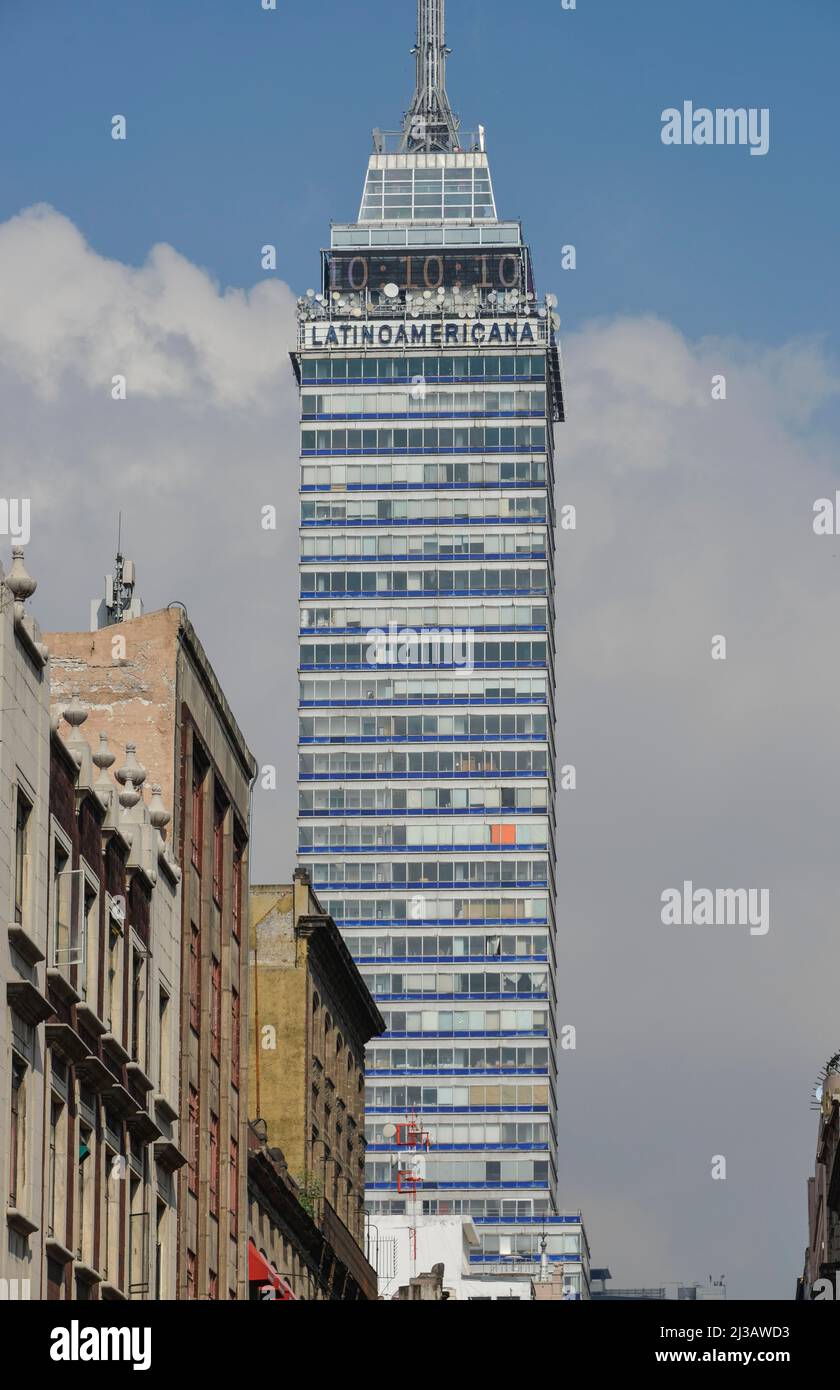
column 429, row 386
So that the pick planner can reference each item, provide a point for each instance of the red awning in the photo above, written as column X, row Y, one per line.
column 261, row 1272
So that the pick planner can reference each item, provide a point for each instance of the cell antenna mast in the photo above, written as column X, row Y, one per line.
column 430, row 124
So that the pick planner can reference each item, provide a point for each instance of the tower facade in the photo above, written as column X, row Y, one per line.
column 429, row 386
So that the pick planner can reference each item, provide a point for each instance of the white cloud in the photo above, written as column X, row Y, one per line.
column 64, row 310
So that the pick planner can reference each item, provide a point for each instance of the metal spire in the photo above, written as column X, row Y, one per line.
column 430, row 124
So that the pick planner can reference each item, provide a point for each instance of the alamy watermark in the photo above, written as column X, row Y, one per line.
column 14, row 519
column 725, row 125
column 716, row 907
column 427, row 646
column 79, row 1343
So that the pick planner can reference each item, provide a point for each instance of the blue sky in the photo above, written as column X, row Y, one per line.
column 247, row 126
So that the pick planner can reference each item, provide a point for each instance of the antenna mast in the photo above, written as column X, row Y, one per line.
column 430, row 124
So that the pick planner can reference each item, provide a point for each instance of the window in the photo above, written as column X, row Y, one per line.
column 215, row 1007
column 236, row 894
column 56, row 1172
column 213, row 1286
column 163, row 1032
column 84, row 1195
column 234, row 1187
column 192, row 1175
column 113, row 1187
column 234, row 1038
column 161, row 1246
column 67, row 894
column 214, row 1165
column 22, row 826
column 17, row 1131
column 195, row 977
column 138, row 995
column 113, row 981
column 91, row 936
column 138, row 1241
column 190, row 1274
column 197, row 817
column 219, row 814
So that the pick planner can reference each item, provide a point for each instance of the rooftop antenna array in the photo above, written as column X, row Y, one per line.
column 120, row 602
column 414, row 1141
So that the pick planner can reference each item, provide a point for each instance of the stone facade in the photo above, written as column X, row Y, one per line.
column 24, row 819
column 147, row 682
column 821, row 1275
column 89, row 1061
column 113, row 980
column 311, row 1016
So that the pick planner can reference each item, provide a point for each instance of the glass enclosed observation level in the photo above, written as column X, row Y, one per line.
column 430, row 187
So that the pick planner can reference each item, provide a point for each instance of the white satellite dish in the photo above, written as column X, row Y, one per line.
column 551, row 301
column 319, row 299
column 555, row 320
column 388, row 1131
column 427, row 294
column 543, row 313
column 391, row 290
column 310, row 294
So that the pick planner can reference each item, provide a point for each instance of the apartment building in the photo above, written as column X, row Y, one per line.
column 89, row 1062
column 147, row 683
column 310, row 1020
column 24, row 1007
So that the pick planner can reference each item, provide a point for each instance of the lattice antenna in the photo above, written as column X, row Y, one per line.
column 430, row 124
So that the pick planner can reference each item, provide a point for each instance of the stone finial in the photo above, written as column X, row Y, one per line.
column 158, row 814
column 129, row 796
column 20, row 584
column 132, row 770
column 103, row 758
column 75, row 713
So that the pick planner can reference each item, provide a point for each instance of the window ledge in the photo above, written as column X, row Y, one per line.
column 112, row 1044
column 86, row 1272
column 25, row 945
column 165, row 1108
column 20, row 1222
column 90, row 1018
column 111, row 1291
column 57, row 1251
column 140, row 1077
column 61, row 1037
column 27, row 1000
column 59, row 982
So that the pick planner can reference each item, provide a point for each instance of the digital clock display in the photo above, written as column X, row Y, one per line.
column 417, row 271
